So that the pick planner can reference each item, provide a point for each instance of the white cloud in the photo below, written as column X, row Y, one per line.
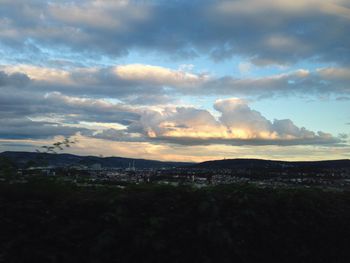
column 287, row 7
column 40, row 73
column 237, row 124
column 244, row 67
column 332, row 73
column 158, row 75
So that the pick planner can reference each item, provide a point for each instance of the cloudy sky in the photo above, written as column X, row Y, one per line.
column 177, row 80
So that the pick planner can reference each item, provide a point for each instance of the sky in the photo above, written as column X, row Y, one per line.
column 177, row 80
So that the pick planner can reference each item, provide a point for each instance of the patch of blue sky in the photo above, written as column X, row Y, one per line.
column 328, row 114
column 112, row 100
column 236, row 67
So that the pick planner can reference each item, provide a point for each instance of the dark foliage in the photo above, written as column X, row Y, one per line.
column 7, row 167
column 47, row 221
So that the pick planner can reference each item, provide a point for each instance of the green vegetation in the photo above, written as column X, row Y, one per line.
column 57, row 146
column 49, row 221
column 7, row 168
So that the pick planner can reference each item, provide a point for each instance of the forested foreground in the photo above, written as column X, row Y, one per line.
column 56, row 222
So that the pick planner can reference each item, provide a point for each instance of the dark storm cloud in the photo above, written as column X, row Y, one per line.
column 189, row 141
column 23, row 108
column 24, row 128
column 300, row 82
column 134, row 83
column 71, row 109
column 16, row 79
column 138, row 84
column 92, row 110
column 265, row 31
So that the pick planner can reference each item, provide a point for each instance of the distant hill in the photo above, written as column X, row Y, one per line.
column 25, row 159
column 268, row 164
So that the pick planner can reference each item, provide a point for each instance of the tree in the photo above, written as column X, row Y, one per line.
column 7, row 167
column 57, row 146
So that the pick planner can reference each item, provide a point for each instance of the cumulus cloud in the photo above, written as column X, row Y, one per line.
column 238, row 124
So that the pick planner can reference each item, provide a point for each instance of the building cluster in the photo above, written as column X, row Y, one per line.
column 96, row 174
